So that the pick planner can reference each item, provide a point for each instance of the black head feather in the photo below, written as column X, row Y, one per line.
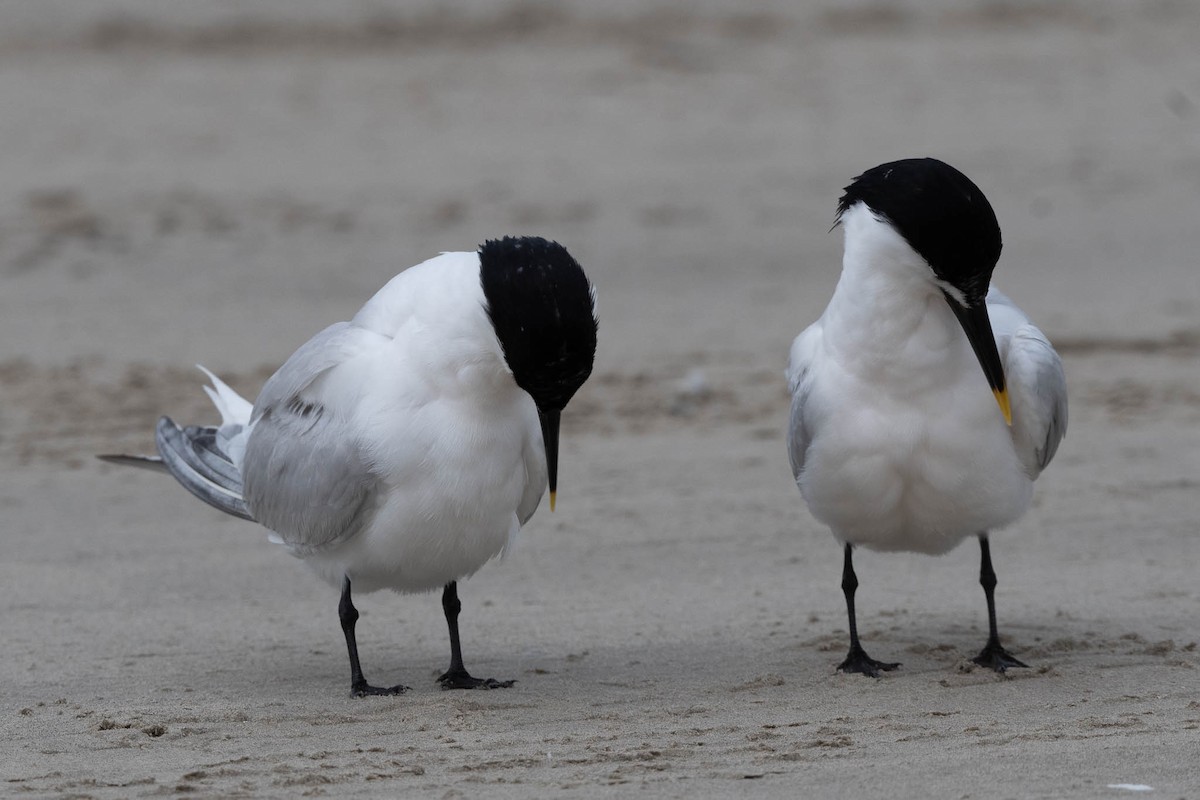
column 940, row 213
column 541, row 307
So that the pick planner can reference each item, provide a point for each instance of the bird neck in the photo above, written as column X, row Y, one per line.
column 886, row 308
column 435, row 313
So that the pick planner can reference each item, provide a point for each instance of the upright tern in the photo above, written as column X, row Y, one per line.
column 406, row 448
column 893, row 440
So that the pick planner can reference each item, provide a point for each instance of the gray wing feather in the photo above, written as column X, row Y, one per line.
column 1037, row 384
column 529, row 501
column 306, row 475
column 207, row 450
column 798, row 438
column 802, row 353
column 307, row 478
column 150, row 463
column 319, row 354
column 1040, row 414
column 184, row 462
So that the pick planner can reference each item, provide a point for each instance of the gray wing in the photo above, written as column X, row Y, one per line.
column 530, row 500
column 1037, row 384
column 332, row 346
column 305, row 473
column 149, row 463
column 306, row 477
column 194, row 457
column 799, row 436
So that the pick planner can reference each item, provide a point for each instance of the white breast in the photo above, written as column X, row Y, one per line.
column 911, row 469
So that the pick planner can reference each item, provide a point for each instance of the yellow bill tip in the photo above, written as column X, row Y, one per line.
column 1005, row 406
column 553, row 498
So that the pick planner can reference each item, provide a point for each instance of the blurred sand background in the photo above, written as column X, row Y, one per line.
column 215, row 181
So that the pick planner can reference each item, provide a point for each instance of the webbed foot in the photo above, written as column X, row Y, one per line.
column 364, row 689
column 857, row 661
column 995, row 657
column 461, row 679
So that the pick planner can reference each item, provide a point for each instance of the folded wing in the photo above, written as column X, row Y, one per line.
column 799, row 362
column 306, row 472
column 1037, row 385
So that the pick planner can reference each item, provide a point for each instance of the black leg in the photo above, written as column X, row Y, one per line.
column 857, row 659
column 993, row 655
column 457, row 676
column 349, row 617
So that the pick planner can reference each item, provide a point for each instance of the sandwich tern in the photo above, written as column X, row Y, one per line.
column 406, row 448
column 893, row 440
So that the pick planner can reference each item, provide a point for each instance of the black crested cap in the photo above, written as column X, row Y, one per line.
column 940, row 213
column 541, row 307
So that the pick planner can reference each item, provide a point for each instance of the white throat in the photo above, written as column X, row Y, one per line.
column 888, row 314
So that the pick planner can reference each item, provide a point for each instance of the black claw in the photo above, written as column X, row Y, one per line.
column 857, row 661
column 461, row 679
column 995, row 657
column 365, row 689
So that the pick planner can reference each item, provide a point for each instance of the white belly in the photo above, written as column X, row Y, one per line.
column 408, row 554
column 447, row 510
column 919, row 473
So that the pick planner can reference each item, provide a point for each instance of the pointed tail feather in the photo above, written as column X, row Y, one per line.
column 193, row 458
column 234, row 409
column 152, row 463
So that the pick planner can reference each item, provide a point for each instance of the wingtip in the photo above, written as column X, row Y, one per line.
column 152, row 463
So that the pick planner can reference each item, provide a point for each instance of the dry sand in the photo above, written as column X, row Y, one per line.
column 189, row 182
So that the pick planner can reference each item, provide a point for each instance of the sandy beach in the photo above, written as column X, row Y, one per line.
column 213, row 183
